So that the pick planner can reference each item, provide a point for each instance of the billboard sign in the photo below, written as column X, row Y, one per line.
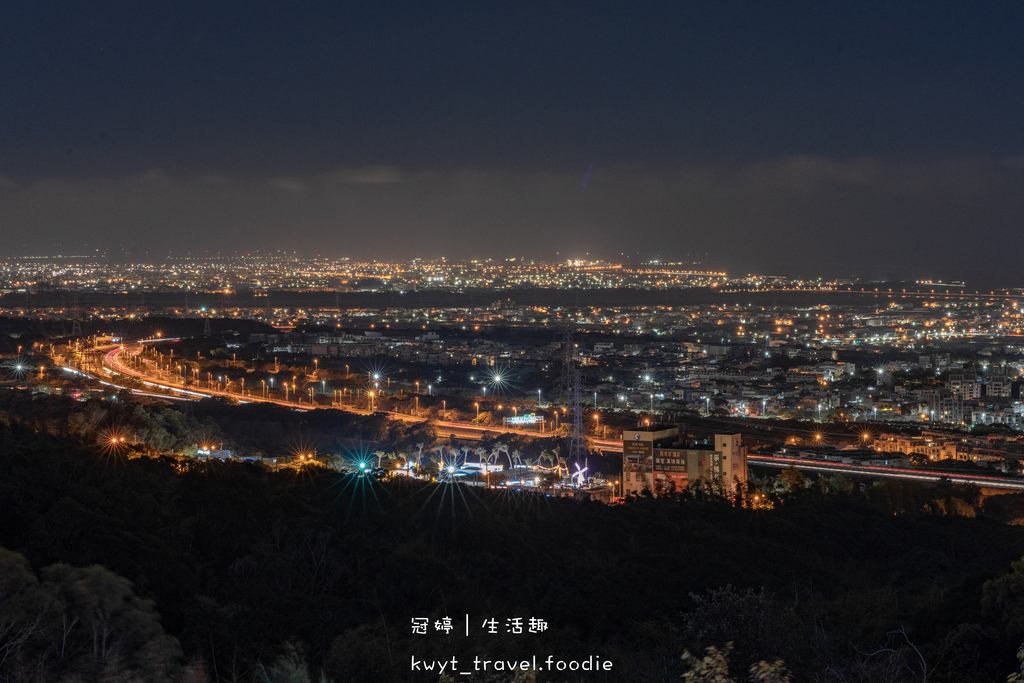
column 634, row 443
column 528, row 419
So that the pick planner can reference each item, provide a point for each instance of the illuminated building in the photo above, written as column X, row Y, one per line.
column 655, row 460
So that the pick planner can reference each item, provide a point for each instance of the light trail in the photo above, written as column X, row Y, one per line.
column 885, row 472
column 468, row 431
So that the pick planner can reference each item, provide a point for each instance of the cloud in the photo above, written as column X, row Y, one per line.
column 800, row 214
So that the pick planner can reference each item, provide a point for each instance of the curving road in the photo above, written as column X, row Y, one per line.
column 112, row 361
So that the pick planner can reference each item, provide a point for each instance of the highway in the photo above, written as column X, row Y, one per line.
column 886, row 472
column 112, row 361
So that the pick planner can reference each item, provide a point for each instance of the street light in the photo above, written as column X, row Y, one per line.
column 477, row 410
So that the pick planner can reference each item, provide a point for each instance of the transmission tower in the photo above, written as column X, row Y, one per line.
column 76, row 316
column 572, row 390
column 207, row 332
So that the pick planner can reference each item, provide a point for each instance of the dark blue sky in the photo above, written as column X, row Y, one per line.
column 465, row 128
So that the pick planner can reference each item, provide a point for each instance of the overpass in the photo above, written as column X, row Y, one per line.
column 996, row 484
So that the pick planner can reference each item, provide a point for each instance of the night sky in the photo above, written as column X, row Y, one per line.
column 879, row 139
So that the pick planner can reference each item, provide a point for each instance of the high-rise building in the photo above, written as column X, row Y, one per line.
column 999, row 383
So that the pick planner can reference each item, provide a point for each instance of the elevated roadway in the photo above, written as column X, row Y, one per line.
column 113, row 363
column 997, row 484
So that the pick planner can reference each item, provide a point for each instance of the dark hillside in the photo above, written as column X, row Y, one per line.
column 245, row 565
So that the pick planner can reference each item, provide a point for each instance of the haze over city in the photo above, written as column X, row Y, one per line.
column 874, row 141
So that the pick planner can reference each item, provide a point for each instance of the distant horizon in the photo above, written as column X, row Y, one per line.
column 639, row 261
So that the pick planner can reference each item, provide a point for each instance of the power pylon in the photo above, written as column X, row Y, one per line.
column 572, row 390
column 76, row 316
